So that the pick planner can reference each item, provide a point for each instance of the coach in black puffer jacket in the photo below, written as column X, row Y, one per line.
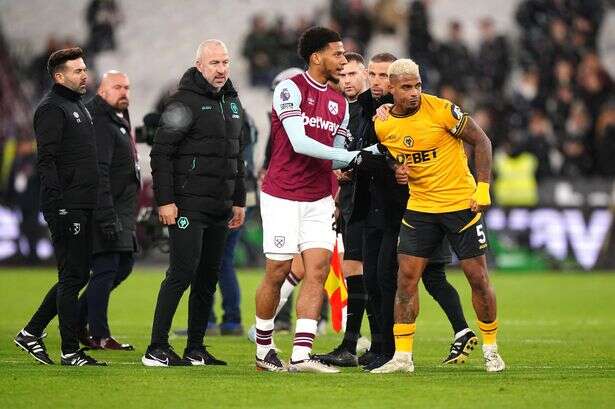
column 198, row 174
column 196, row 156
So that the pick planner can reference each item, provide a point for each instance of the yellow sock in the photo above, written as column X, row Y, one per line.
column 404, row 337
column 488, row 331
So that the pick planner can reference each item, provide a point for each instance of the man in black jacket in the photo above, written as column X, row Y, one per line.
column 69, row 181
column 113, row 235
column 198, row 175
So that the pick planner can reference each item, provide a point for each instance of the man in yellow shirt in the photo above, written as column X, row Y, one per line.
column 426, row 134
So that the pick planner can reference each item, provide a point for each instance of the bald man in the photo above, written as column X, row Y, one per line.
column 198, row 176
column 113, row 235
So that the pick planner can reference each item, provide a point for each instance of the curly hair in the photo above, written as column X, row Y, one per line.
column 315, row 39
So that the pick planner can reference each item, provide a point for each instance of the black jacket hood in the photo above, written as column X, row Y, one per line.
column 193, row 81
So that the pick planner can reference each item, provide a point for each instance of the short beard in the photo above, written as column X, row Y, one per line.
column 333, row 79
column 120, row 106
column 351, row 97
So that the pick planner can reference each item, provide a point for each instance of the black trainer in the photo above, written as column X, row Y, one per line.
column 377, row 362
column 80, row 358
column 34, row 346
column 367, row 358
column 340, row 356
column 200, row 356
column 461, row 348
column 162, row 356
column 270, row 363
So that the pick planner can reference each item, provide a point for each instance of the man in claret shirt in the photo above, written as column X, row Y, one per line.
column 309, row 127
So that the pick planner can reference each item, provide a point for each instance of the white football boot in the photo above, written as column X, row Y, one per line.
column 401, row 362
column 311, row 365
column 493, row 360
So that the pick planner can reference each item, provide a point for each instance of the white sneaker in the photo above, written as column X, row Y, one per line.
column 397, row 364
column 493, row 360
column 311, row 365
column 252, row 334
column 363, row 345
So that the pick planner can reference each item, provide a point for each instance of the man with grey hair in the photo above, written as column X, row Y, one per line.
column 198, row 176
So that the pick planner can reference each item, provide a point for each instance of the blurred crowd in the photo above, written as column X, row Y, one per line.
column 23, row 84
column 544, row 92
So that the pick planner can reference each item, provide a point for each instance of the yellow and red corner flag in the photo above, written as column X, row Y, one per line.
column 335, row 286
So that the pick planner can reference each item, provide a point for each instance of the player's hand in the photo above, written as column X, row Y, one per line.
column 239, row 216
column 401, row 174
column 382, row 112
column 481, row 199
column 343, row 176
column 359, row 159
column 167, row 214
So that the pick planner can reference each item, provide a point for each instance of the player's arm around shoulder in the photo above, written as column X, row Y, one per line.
column 472, row 134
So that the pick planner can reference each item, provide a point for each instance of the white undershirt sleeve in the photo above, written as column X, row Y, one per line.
column 286, row 103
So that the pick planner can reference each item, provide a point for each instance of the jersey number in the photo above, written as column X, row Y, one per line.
column 482, row 239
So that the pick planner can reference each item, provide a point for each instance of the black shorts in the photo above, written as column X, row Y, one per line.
column 442, row 253
column 422, row 233
column 352, row 235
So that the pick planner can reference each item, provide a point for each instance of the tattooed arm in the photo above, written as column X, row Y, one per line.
column 476, row 137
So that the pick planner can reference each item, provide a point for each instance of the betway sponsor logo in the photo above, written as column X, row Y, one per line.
column 319, row 123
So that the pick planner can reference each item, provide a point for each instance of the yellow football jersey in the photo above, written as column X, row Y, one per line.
column 439, row 178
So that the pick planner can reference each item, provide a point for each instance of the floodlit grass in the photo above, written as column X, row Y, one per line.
column 557, row 336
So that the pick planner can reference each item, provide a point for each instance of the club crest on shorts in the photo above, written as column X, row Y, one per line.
column 333, row 107
column 279, row 241
column 182, row 222
column 75, row 229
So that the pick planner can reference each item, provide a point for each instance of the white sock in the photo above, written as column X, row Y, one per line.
column 264, row 335
column 402, row 356
column 462, row 333
column 490, row 348
column 305, row 331
column 287, row 289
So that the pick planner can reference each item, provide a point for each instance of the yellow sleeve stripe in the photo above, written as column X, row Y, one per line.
column 472, row 222
column 406, row 224
column 461, row 125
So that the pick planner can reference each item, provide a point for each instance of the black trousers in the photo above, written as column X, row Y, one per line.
column 372, row 238
column 108, row 271
column 195, row 257
column 70, row 234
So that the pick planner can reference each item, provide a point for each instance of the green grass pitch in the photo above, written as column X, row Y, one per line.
column 557, row 336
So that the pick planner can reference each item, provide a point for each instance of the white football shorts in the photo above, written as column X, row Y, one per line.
column 291, row 227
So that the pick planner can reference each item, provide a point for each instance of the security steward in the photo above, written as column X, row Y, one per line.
column 113, row 235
